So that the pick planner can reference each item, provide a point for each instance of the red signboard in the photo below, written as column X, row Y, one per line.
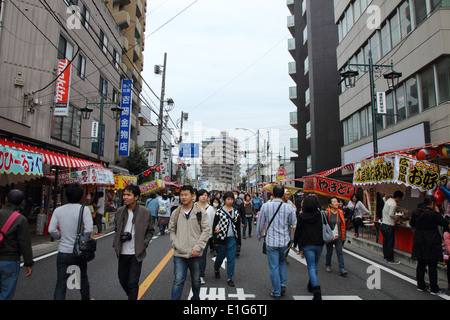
column 328, row 187
column 62, row 92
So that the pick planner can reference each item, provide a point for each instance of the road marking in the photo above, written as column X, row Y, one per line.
column 328, row 298
column 148, row 282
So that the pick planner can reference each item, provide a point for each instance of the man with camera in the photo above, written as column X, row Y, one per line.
column 134, row 230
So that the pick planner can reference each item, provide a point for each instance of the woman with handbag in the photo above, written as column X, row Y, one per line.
column 308, row 236
column 66, row 218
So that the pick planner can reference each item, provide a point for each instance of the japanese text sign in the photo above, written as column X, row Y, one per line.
column 124, row 125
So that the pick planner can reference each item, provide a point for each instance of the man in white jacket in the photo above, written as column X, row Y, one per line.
column 189, row 231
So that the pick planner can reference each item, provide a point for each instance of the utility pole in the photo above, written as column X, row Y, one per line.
column 161, row 112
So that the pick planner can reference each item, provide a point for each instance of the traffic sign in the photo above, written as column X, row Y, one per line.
column 189, row 150
column 281, row 172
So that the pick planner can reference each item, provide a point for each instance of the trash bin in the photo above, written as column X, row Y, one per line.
column 40, row 223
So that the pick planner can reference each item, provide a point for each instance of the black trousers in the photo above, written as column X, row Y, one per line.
column 129, row 273
column 432, row 274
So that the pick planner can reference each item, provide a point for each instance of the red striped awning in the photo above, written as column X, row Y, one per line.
column 51, row 158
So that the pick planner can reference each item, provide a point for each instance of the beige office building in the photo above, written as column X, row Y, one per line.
column 415, row 35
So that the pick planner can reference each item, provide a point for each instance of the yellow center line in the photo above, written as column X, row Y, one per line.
column 152, row 276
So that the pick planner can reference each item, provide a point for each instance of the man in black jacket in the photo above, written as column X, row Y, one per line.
column 16, row 242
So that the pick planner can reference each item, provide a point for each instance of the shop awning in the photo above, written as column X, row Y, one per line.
column 50, row 158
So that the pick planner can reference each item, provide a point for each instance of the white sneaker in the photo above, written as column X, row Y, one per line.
column 202, row 281
column 393, row 262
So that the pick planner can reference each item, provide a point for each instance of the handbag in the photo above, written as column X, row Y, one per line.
column 84, row 246
column 327, row 233
column 264, row 250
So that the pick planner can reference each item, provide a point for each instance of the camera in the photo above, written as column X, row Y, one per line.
column 125, row 236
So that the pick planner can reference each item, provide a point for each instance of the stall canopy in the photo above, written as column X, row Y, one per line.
column 48, row 157
column 400, row 170
column 151, row 186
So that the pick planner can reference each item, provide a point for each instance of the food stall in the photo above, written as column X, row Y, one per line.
column 400, row 171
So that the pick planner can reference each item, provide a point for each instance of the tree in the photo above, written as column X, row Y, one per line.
column 137, row 163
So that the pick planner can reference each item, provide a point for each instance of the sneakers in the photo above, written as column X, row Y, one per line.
column 393, row 261
column 230, row 283
column 343, row 272
column 328, row 269
column 217, row 274
column 202, row 281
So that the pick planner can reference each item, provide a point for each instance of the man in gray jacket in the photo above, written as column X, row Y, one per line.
column 134, row 230
column 189, row 231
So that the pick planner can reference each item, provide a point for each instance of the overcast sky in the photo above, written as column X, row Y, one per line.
column 227, row 65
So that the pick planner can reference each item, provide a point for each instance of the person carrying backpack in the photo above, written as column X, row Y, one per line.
column 163, row 212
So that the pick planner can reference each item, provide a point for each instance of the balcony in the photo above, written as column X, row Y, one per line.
column 293, row 94
column 139, row 8
column 121, row 2
column 291, row 47
column 293, row 70
column 294, row 145
column 290, row 5
column 122, row 19
column 291, row 24
column 293, row 121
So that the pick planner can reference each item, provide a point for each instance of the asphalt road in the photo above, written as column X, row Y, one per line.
column 368, row 278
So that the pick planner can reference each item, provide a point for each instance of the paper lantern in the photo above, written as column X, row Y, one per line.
column 444, row 150
column 426, row 154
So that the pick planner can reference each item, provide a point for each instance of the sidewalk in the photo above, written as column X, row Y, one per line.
column 366, row 244
column 43, row 244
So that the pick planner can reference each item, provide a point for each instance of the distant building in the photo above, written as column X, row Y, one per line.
column 220, row 162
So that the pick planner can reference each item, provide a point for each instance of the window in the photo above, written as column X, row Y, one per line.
column 355, row 120
column 305, row 34
column 94, row 143
column 103, row 87
column 395, row 30
column 356, row 10
column 307, row 97
column 375, row 47
column 412, row 98
column 420, row 7
column 363, row 121
column 65, row 49
column 349, row 15
column 81, row 66
column 443, row 76
column 85, row 17
column 116, row 58
column 405, row 19
column 385, row 40
column 428, row 88
column 401, row 107
column 103, row 42
column 71, row 2
column 390, row 115
column 68, row 129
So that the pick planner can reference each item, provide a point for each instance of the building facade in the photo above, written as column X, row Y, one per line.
column 413, row 34
column 220, row 166
column 33, row 39
column 315, row 95
column 130, row 18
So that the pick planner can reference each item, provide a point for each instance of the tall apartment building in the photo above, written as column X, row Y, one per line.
column 315, row 95
column 33, row 39
column 130, row 17
column 221, row 166
column 414, row 34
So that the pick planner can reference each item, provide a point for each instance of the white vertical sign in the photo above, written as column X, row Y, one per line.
column 94, row 129
column 381, row 102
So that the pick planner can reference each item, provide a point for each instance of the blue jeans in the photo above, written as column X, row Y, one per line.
column 339, row 245
column 276, row 257
column 9, row 273
column 180, row 270
column 312, row 256
column 228, row 250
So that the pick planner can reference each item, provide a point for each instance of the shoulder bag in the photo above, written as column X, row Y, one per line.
column 264, row 243
column 84, row 246
column 327, row 233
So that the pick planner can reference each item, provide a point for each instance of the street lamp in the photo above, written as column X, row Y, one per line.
column 392, row 78
column 86, row 113
column 258, row 173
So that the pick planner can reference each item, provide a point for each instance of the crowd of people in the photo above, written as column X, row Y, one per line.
column 197, row 221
